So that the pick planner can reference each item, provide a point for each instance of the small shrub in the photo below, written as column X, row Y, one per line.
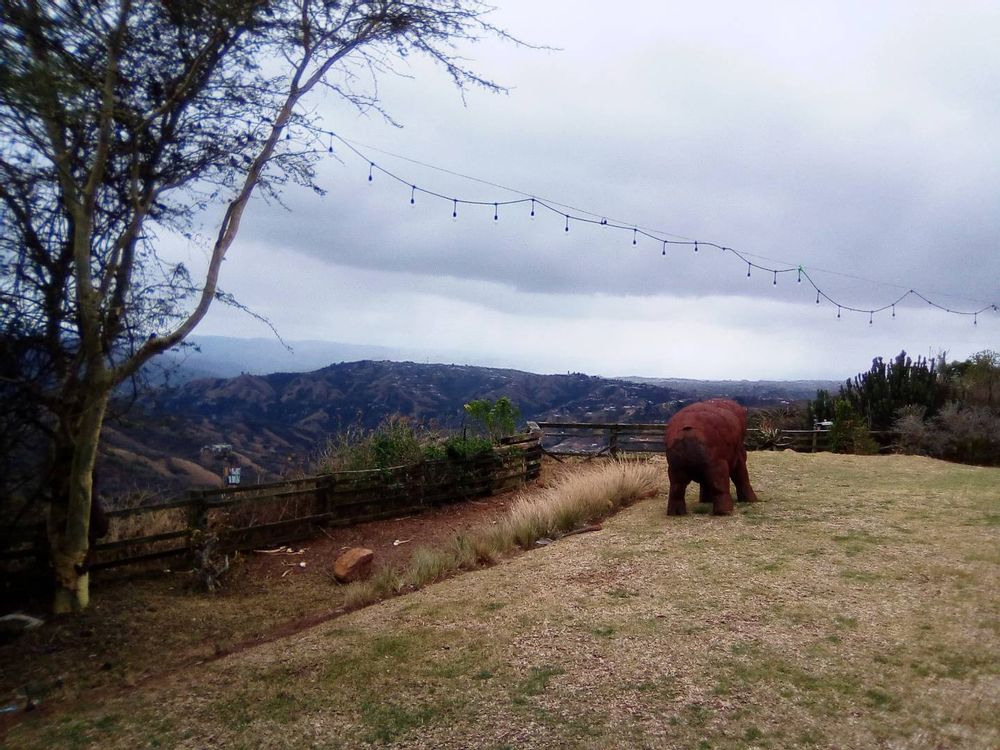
column 968, row 434
column 210, row 563
column 971, row 434
column 395, row 442
column 915, row 435
column 766, row 429
column 467, row 446
column 496, row 420
column 849, row 433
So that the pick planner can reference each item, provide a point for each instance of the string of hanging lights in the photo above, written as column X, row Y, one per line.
column 579, row 216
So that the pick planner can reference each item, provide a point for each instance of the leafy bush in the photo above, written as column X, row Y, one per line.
column 968, row 434
column 766, row 428
column 395, row 442
column 849, row 433
column 496, row 420
column 467, row 446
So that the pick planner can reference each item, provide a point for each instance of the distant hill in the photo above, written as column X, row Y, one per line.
column 277, row 422
column 747, row 391
column 226, row 357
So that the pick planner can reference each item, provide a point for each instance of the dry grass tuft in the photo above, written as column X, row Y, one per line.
column 578, row 499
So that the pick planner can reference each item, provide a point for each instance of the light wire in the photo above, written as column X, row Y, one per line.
column 582, row 216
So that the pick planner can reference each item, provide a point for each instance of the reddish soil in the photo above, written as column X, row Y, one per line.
column 393, row 540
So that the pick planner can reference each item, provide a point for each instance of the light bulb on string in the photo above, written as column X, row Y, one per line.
column 871, row 316
column 603, row 221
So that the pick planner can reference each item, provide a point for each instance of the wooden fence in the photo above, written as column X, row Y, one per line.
column 596, row 438
column 270, row 514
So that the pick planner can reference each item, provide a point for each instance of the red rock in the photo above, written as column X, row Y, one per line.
column 354, row 564
column 704, row 444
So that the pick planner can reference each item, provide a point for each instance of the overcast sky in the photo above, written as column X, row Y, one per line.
column 858, row 139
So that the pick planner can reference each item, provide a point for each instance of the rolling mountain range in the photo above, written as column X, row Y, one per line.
column 277, row 423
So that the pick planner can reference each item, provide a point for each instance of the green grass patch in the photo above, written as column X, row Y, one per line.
column 387, row 721
column 535, row 683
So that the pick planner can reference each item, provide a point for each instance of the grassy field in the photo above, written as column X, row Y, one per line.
column 857, row 606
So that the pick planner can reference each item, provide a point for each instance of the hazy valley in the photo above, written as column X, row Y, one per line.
column 277, row 422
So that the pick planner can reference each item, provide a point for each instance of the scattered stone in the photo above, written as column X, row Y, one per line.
column 13, row 625
column 543, row 541
column 353, row 565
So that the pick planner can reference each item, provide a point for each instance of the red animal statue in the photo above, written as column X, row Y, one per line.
column 704, row 443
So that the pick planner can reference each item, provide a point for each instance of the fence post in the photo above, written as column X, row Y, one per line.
column 198, row 515
column 613, row 441
column 325, row 488
column 814, row 436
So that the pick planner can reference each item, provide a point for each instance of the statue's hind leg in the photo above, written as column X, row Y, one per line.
column 675, row 499
column 741, row 478
column 717, row 480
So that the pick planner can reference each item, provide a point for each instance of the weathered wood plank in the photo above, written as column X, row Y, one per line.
column 183, row 502
column 330, row 499
column 136, row 559
column 140, row 540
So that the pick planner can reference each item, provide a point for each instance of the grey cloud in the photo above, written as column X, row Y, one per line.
column 852, row 137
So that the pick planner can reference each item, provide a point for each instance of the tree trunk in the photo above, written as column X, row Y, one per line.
column 70, row 510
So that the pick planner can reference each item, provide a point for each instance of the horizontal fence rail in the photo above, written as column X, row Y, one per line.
column 249, row 516
column 598, row 438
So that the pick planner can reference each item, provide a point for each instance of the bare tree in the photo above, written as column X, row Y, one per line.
column 121, row 119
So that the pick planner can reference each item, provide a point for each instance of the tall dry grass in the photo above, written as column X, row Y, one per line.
column 580, row 499
column 574, row 501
